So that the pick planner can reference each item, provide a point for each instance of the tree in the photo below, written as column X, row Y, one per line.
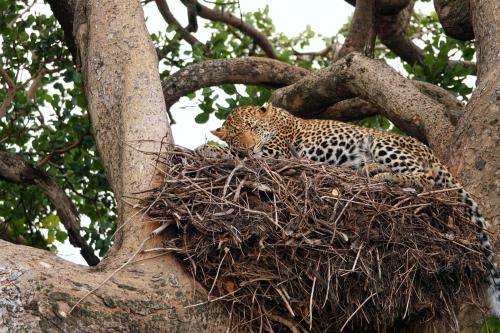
column 115, row 65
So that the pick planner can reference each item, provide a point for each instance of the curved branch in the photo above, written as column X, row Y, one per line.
column 392, row 33
column 11, row 92
column 237, row 23
column 387, row 7
column 15, row 169
column 252, row 70
column 357, row 108
column 36, row 81
column 349, row 110
column 361, row 32
column 455, row 18
column 356, row 75
column 192, row 16
column 60, row 151
column 170, row 19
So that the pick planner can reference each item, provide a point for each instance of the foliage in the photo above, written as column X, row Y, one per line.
column 35, row 128
column 491, row 325
column 438, row 50
column 55, row 118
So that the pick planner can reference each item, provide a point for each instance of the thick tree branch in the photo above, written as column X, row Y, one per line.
column 392, row 32
column 454, row 108
column 64, row 14
column 361, row 32
column 252, row 70
column 192, row 16
column 349, row 110
column 11, row 92
column 387, row 7
column 15, row 169
column 357, row 108
column 355, row 75
column 171, row 20
column 455, row 18
column 488, row 46
column 237, row 23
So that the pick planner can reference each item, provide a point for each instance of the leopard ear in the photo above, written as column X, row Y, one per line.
column 269, row 106
column 220, row 133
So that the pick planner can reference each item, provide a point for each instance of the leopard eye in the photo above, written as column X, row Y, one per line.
column 262, row 109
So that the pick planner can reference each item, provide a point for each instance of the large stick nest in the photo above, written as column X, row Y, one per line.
column 311, row 247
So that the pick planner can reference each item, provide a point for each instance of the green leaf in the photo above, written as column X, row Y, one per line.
column 61, row 236
column 202, row 118
column 491, row 325
column 51, row 221
column 229, row 89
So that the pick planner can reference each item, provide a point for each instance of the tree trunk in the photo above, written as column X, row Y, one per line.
column 128, row 116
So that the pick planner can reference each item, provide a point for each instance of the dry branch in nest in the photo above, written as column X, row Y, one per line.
column 311, row 247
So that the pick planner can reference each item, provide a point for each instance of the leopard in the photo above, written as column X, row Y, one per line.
column 270, row 131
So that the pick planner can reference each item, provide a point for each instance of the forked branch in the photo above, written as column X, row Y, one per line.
column 237, row 23
column 171, row 20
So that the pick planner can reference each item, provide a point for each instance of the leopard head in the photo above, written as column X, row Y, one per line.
column 249, row 128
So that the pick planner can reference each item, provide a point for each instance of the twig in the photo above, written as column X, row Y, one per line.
column 226, row 250
column 359, row 308
column 289, row 324
column 60, row 151
column 170, row 19
column 11, row 93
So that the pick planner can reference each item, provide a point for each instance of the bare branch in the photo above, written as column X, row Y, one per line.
column 192, row 16
column 60, row 151
column 392, row 33
column 252, row 70
column 16, row 170
column 455, row 18
column 333, row 48
column 237, row 23
column 387, row 7
column 171, row 20
column 361, row 32
column 36, row 80
column 355, row 75
column 65, row 16
column 11, row 93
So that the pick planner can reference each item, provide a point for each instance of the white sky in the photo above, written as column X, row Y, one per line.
column 289, row 17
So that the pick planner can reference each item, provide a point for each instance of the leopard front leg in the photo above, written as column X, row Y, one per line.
column 417, row 180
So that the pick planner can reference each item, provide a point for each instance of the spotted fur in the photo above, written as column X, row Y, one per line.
column 271, row 131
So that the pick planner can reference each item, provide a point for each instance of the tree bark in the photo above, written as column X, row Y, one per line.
column 475, row 145
column 129, row 290
column 455, row 17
